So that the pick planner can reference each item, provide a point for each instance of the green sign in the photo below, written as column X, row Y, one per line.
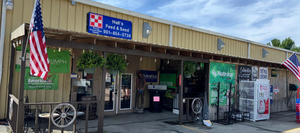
column 35, row 83
column 220, row 73
column 59, row 61
column 168, row 79
column 274, row 73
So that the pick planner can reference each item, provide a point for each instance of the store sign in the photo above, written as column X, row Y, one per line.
column 109, row 26
column 150, row 76
column 223, row 73
column 244, row 73
column 263, row 73
column 59, row 61
column 254, row 75
column 35, row 83
column 274, row 73
column 263, row 102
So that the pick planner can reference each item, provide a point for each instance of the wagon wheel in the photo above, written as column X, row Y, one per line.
column 61, row 117
column 197, row 105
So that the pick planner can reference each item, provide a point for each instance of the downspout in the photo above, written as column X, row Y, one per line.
column 5, row 5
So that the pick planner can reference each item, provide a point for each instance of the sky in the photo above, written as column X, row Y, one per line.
column 255, row 20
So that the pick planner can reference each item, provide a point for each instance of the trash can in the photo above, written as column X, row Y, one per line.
column 156, row 97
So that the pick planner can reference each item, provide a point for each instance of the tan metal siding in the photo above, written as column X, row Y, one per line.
column 274, row 55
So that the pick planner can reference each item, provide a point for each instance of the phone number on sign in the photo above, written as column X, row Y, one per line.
column 115, row 33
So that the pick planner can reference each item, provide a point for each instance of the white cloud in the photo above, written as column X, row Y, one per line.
column 125, row 4
column 258, row 21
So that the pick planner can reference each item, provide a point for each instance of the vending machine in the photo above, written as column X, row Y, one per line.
column 254, row 98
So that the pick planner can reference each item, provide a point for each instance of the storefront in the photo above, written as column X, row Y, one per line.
column 157, row 47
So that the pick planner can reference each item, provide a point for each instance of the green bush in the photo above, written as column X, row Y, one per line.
column 116, row 62
column 90, row 59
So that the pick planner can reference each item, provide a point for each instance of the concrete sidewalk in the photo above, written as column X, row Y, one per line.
column 162, row 123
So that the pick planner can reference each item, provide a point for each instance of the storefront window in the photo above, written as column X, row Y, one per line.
column 109, row 92
column 126, row 91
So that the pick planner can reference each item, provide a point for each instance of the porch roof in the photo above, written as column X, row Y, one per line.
column 82, row 40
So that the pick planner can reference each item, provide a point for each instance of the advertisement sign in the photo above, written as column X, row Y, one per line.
column 244, row 73
column 263, row 102
column 263, row 73
column 35, row 83
column 168, row 79
column 223, row 73
column 109, row 26
column 254, row 75
column 59, row 61
column 150, row 76
column 274, row 73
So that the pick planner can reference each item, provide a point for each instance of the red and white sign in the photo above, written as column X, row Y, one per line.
column 96, row 20
column 276, row 90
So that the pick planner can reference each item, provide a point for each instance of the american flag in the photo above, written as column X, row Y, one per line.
column 293, row 65
column 39, row 62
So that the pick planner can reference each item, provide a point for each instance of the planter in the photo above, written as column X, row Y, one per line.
column 188, row 75
column 90, row 70
column 113, row 72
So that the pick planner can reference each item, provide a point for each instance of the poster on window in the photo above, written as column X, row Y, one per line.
column 263, row 102
column 263, row 73
column 254, row 73
column 244, row 73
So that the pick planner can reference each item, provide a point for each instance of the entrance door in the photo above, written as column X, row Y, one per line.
column 118, row 93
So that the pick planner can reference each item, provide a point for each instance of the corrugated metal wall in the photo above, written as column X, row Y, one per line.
column 274, row 55
column 185, row 38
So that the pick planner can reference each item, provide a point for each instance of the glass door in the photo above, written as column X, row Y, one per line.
column 110, row 92
column 126, row 92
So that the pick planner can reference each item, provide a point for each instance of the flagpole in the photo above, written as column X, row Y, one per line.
column 24, row 55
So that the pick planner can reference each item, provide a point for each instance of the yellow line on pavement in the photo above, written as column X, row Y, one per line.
column 193, row 129
column 291, row 130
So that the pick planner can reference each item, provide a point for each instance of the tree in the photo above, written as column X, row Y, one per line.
column 276, row 42
column 296, row 49
column 287, row 43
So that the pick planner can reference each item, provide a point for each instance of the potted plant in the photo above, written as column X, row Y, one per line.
column 88, row 61
column 188, row 68
column 116, row 63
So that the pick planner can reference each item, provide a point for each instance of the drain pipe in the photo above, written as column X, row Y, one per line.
column 5, row 5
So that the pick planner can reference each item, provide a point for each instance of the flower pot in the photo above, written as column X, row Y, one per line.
column 113, row 72
column 187, row 75
column 90, row 70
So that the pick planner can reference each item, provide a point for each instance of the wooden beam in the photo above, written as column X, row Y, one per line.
column 184, row 53
column 197, row 55
column 159, row 50
column 86, row 40
column 173, row 52
column 144, row 48
column 79, row 45
column 111, row 43
column 206, row 56
column 126, row 45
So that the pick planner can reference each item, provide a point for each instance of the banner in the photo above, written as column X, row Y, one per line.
column 263, row 73
column 254, row 73
column 150, row 76
column 263, row 102
column 244, row 73
column 35, row 83
column 223, row 73
column 59, row 61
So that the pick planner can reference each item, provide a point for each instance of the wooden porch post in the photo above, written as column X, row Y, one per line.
column 11, row 74
column 20, row 113
column 102, row 101
column 181, row 94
